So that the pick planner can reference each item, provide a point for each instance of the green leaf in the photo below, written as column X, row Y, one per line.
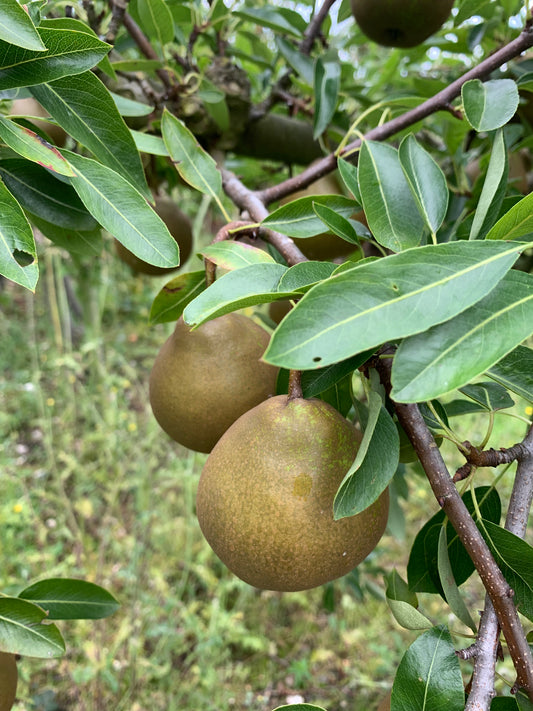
column 123, row 212
column 42, row 194
column 515, row 559
column 18, row 257
column 491, row 396
column 515, row 372
column 449, row 586
column 71, row 599
column 299, row 707
column 235, row 290
column 408, row 616
column 168, row 305
column 515, row 224
column 494, row 189
column 146, row 143
column 17, row 28
column 491, row 104
column 129, row 107
column 398, row 589
column 503, row 703
column 390, row 209
column 84, row 108
column 299, row 219
column 276, row 18
column 300, row 277
column 326, row 86
column 88, row 243
column 67, row 53
column 422, row 568
column 22, row 630
column 30, row 145
column 374, row 465
column 234, row 255
column 156, row 20
column 523, row 701
column 301, row 63
column 451, row 354
column 426, row 180
column 348, row 173
column 429, row 675
column 387, row 299
column 338, row 224
column 192, row 162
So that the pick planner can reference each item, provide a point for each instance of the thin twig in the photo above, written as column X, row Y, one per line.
column 313, row 28
column 142, row 41
column 439, row 102
column 118, row 10
column 449, row 499
column 482, row 686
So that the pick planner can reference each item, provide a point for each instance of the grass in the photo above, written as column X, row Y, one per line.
column 92, row 488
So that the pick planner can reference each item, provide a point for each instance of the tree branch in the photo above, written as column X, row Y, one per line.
column 449, row 499
column 439, row 102
column 142, row 41
column 313, row 28
column 482, row 687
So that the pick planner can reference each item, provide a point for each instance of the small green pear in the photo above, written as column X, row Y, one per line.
column 400, row 23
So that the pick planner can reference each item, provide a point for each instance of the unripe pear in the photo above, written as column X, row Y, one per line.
column 400, row 23
column 265, row 497
column 203, row 380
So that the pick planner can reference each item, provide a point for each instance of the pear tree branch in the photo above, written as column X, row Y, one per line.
column 448, row 497
column 314, row 27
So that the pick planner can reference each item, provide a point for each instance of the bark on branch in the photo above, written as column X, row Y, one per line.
column 449, row 499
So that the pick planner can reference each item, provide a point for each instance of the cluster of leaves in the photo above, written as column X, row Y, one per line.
column 445, row 291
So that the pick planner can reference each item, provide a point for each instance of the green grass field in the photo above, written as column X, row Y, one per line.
column 92, row 488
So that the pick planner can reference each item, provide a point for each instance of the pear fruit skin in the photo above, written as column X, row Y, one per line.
column 400, row 23
column 8, row 680
column 265, row 497
column 179, row 226
column 203, row 380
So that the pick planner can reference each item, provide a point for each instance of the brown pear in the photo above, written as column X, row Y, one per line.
column 203, row 380
column 265, row 497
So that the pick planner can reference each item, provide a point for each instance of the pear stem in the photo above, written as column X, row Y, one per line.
column 295, row 385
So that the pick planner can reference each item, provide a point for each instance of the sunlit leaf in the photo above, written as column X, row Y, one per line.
column 491, row 104
column 23, row 630
column 70, row 599
column 17, row 28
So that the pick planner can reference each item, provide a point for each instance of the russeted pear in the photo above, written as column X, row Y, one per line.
column 8, row 680
column 179, row 227
column 203, row 380
column 265, row 497
column 400, row 23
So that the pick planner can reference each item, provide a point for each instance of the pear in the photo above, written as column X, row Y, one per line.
column 8, row 680
column 203, row 380
column 179, row 227
column 400, row 23
column 265, row 497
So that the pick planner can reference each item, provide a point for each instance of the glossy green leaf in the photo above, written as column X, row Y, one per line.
column 31, row 146
column 156, row 20
column 451, row 354
column 426, row 180
column 515, row 372
column 348, row 173
column 494, row 189
column 517, row 224
column 449, row 586
column 71, row 599
column 300, row 277
column 248, row 286
column 75, row 25
column 491, row 104
column 123, row 211
column 17, row 28
column 42, row 194
column 192, row 162
column 299, row 219
column 84, row 108
column 67, row 52
column 234, row 255
column 515, row 559
column 169, row 303
column 390, row 209
column 18, row 257
column 86, row 243
column 503, row 703
column 490, row 396
column 387, row 299
column 336, row 223
column 23, row 630
column 422, row 567
column 523, row 701
column 326, row 86
column 276, row 18
column 374, row 465
column 429, row 675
